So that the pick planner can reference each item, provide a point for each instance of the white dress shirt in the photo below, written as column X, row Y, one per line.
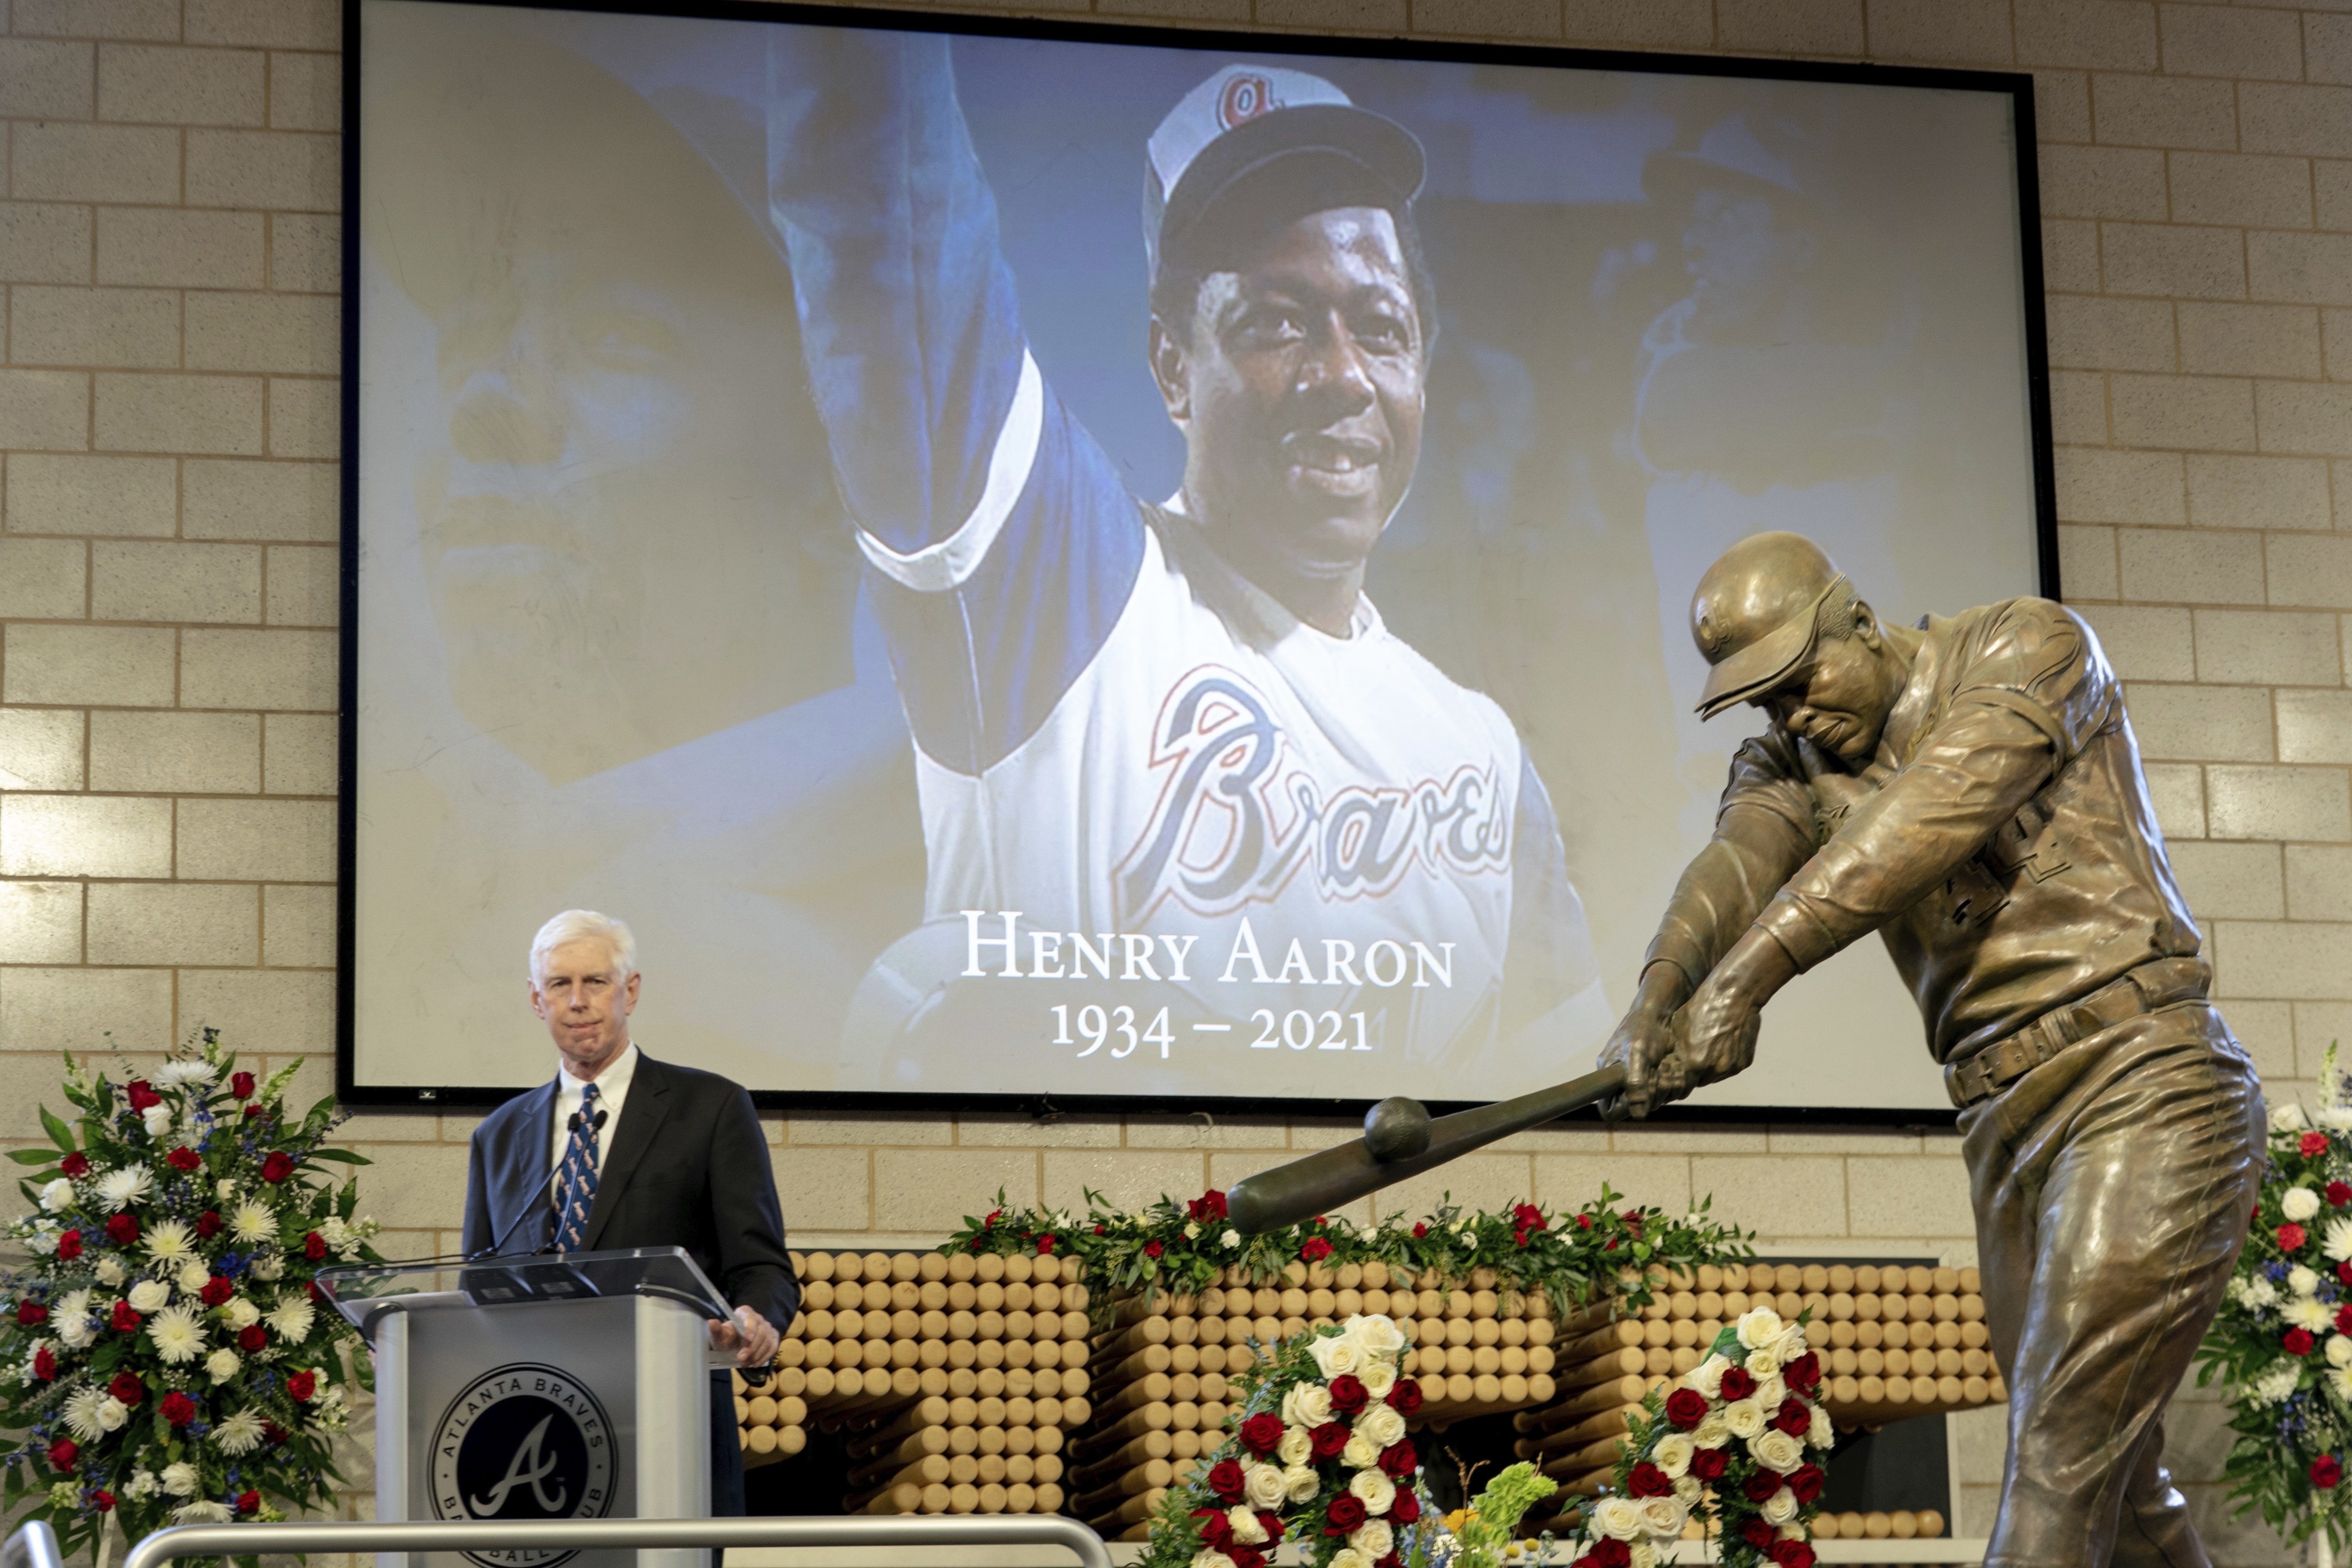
column 612, row 1090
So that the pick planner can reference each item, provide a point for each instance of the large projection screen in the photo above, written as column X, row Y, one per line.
column 778, row 523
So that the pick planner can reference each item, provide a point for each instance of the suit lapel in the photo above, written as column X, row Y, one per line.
column 528, row 1168
column 641, row 1119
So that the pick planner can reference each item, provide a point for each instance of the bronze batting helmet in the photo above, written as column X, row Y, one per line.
column 1758, row 611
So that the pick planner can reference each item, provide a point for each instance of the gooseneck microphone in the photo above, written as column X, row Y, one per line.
column 571, row 1124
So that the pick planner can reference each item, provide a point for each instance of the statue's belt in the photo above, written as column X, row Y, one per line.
column 2160, row 983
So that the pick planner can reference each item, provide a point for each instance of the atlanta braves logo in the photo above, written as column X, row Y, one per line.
column 1238, row 816
column 523, row 1441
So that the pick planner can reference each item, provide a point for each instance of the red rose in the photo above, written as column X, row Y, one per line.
column 1648, row 1480
column 1100, row 1230
column 1807, row 1481
column 123, row 1229
column 184, row 1159
column 32, row 1313
column 1404, row 1395
column 1526, row 1216
column 1316, row 1250
column 1272, row 1524
column 142, row 1094
column 1153, row 1249
column 1245, row 1556
column 276, row 1165
column 1686, row 1408
column 252, row 1338
column 45, row 1364
column 1419, row 1230
column 252, row 1110
column 1398, row 1460
column 240, row 1084
column 1044, row 1244
column 68, row 1246
column 2343, row 1319
column 2298, row 1342
column 1225, row 1480
column 208, row 1224
column 272, row 1433
column 1610, row 1552
column 314, row 1246
column 1759, row 1485
column 2325, row 1471
column 216, row 1291
column 1328, row 1439
column 1210, row 1205
column 63, row 1453
column 2312, row 1144
column 1345, row 1512
column 318, row 1296
column 2291, row 1237
column 1708, row 1464
column 1407, row 1507
column 2344, row 1272
column 248, row 1502
column 1393, row 1559
column 1262, row 1433
column 302, row 1384
column 125, row 1320
column 1215, row 1528
column 1756, row 1533
column 103, row 1501
column 1738, row 1384
column 1349, row 1394
column 1518, row 1238
column 1584, row 1222
column 1804, row 1373
column 1792, row 1417
column 1792, row 1555
column 76, row 1165
column 127, row 1387
column 178, row 1408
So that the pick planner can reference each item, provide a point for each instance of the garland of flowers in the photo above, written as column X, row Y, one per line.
column 164, row 1352
column 1727, row 1443
column 1186, row 1246
column 1319, row 1455
column 2291, row 1297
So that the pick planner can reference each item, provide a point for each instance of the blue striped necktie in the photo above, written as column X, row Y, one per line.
column 578, row 1185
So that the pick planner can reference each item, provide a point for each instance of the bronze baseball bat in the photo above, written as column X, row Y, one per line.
column 1403, row 1131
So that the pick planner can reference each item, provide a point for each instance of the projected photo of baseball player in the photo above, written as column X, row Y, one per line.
column 1182, row 791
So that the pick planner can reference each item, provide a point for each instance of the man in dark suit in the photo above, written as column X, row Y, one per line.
column 623, row 1151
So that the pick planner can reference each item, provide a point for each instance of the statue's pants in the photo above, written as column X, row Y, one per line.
column 2112, row 1187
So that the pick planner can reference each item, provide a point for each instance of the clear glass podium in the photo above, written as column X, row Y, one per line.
column 542, row 1385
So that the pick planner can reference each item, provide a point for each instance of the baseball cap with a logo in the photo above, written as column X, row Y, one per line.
column 1247, row 120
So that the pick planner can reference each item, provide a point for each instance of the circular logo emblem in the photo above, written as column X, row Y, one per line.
column 523, row 1441
column 1246, row 97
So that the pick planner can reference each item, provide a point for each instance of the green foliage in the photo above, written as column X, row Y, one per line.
column 1492, row 1520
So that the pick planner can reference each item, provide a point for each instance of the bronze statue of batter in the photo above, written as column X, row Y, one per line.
column 1970, row 790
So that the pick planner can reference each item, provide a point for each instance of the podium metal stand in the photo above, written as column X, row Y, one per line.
column 538, row 1387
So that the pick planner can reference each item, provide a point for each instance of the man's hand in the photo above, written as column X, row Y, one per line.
column 1644, row 1045
column 751, row 1336
column 1717, row 1028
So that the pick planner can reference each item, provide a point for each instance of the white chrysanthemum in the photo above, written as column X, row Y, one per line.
column 181, row 1479
column 149, row 1295
column 2308, row 1313
column 158, row 1121
column 170, row 1242
column 2299, row 1203
column 2337, row 1118
column 1297, row 1446
column 178, row 1335
column 1672, row 1454
column 1374, row 1490
column 193, row 1276
column 1375, row 1538
column 1618, row 1518
column 242, row 1312
column 201, row 1513
column 176, row 1073
column 110, row 1271
column 1300, row 1483
column 2275, row 1384
column 269, row 1264
column 2300, row 1281
column 2260, row 1292
column 1663, row 1517
column 2340, row 1378
column 292, row 1318
column 251, row 1222
column 81, row 1411
column 112, row 1413
column 1779, row 1508
column 1759, row 1326
column 2337, row 1240
column 1743, row 1417
column 118, row 1189
column 223, row 1365
column 1776, row 1451
column 240, row 1434
column 58, row 1196
column 1381, row 1426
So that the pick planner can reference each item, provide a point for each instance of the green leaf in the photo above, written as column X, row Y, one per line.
column 34, row 1156
column 341, row 1157
column 60, row 1133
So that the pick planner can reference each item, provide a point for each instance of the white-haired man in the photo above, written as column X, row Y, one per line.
column 619, row 1151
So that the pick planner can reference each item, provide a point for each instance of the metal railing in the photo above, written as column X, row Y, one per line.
column 35, row 1545
column 583, row 1535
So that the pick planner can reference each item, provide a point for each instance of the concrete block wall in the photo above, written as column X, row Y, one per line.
column 168, row 249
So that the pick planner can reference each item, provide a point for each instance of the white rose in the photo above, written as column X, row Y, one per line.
column 1642, row 1554
column 226, row 1187
column 181, row 1479
column 1192, row 1230
column 1672, row 1454
column 1348, row 1557
column 110, row 1271
column 193, row 1277
column 1381, row 1425
column 1619, row 1518
column 58, row 1196
column 1375, row 1334
column 1762, row 1363
column 111, row 1414
column 1759, row 1327
column 1706, row 1378
column 1378, row 1378
column 269, row 1266
column 223, row 1365
column 1770, row 1393
column 158, row 1119
column 2287, row 1118
column 1373, row 1538
column 149, row 1296
column 1687, row 1491
column 242, row 1313
column 1791, row 1345
column 1297, row 1446
column 1262, row 1484
column 1374, row 1490
column 1307, row 1405
column 1359, row 1454
column 1777, row 1451
column 1300, row 1484
column 1820, row 1433
column 1245, row 1526
column 1335, row 1354
column 1231, row 1238
column 1743, row 1417
column 1712, row 1432
column 2299, row 1203
column 2301, row 1281
column 1779, row 1508
column 1663, row 1517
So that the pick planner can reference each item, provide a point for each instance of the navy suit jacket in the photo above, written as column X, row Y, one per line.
column 687, row 1166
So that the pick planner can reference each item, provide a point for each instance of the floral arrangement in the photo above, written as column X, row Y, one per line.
column 1729, row 1443
column 2282, row 1336
column 164, row 1351
column 1317, row 1455
column 1185, row 1246
column 1482, row 1535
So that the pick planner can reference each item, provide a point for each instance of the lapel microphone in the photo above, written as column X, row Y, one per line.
column 574, row 1124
